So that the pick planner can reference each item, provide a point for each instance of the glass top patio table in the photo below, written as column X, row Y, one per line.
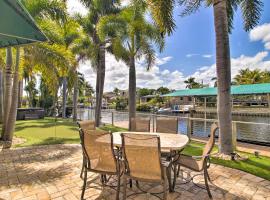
column 168, row 141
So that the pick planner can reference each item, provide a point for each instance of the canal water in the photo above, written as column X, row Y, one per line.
column 257, row 131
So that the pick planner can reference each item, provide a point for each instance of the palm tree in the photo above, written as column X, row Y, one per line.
column 247, row 76
column 10, row 124
column 97, row 9
column 7, row 91
column 191, row 83
column 132, row 37
column 162, row 11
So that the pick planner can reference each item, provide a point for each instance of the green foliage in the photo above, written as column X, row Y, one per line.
column 247, row 76
column 145, row 91
column 120, row 103
column 145, row 107
column 163, row 90
column 191, row 83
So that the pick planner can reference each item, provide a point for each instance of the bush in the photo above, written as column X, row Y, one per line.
column 120, row 104
column 144, row 107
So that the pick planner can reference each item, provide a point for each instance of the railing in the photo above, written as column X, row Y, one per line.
column 253, row 132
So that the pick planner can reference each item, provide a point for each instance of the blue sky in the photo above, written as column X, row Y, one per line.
column 189, row 51
column 195, row 35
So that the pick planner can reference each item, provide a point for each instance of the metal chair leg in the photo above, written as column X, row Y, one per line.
column 84, row 183
column 178, row 170
column 165, row 189
column 168, row 171
column 125, row 187
column 130, row 183
column 118, row 186
column 175, row 175
column 206, row 183
column 82, row 170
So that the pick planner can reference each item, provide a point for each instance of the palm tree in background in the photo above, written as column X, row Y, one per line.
column 97, row 9
column 247, row 76
column 132, row 37
column 162, row 12
column 191, row 83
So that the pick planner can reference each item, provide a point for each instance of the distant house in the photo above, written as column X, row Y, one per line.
column 147, row 98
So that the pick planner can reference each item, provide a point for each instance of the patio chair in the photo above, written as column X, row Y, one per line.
column 86, row 125
column 201, row 163
column 142, row 159
column 100, row 158
column 140, row 125
column 167, row 125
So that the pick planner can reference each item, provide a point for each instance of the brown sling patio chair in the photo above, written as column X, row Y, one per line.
column 86, row 125
column 167, row 125
column 99, row 155
column 142, row 159
column 140, row 125
column 201, row 163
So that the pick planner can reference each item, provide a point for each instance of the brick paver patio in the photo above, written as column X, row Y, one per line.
column 52, row 172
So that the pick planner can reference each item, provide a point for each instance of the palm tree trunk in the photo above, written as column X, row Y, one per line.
column 64, row 103
column 223, row 77
column 75, row 98
column 132, row 90
column 1, row 96
column 20, row 95
column 13, row 108
column 7, row 91
column 100, row 84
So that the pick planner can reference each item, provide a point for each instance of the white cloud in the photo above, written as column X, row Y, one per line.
column 192, row 55
column 207, row 56
column 206, row 73
column 261, row 33
column 117, row 72
column 74, row 6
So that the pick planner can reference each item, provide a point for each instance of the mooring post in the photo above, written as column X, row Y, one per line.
column 112, row 118
column 234, row 135
column 268, row 98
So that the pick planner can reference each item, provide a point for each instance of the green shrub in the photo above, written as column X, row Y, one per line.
column 143, row 107
column 121, row 103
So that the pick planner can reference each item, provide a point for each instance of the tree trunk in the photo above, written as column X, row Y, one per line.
column 7, row 90
column 64, row 103
column 75, row 98
column 132, row 90
column 13, row 108
column 1, row 96
column 100, row 84
column 223, row 77
column 20, row 95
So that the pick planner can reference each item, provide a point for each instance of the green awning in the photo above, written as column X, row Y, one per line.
column 263, row 88
column 17, row 27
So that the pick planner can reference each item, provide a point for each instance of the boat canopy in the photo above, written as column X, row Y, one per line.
column 249, row 89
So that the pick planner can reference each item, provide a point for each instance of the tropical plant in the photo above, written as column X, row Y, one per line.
column 132, row 37
column 162, row 11
column 191, row 83
column 97, row 9
column 247, row 76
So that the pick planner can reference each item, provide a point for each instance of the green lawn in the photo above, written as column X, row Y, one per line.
column 49, row 131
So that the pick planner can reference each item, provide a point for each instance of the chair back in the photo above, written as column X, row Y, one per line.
column 142, row 156
column 87, row 125
column 211, row 142
column 98, row 149
column 140, row 125
column 167, row 125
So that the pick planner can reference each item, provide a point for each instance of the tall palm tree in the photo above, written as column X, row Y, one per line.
column 162, row 12
column 191, row 83
column 10, row 124
column 7, row 91
column 97, row 9
column 132, row 37
column 247, row 76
